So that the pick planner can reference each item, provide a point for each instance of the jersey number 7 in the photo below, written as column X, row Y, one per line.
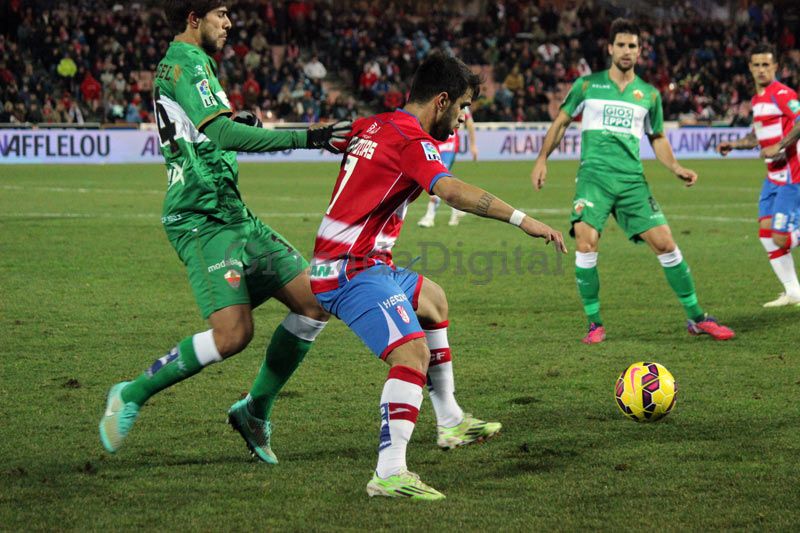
column 349, row 167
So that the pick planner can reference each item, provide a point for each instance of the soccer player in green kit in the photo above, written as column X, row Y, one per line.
column 617, row 108
column 234, row 261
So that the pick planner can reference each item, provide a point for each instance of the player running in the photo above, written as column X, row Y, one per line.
column 775, row 111
column 234, row 261
column 400, row 315
column 448, row 150
column 617, row 107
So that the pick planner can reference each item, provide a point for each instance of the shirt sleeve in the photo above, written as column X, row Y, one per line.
column 654, row 122
column 573, row 103
column 421, row 161
column 788, row 103
column 200, row 95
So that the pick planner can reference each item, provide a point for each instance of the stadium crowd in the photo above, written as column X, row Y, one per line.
column 92, row 61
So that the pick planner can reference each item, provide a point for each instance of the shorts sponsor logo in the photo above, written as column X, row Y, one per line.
column 580, row 204
column 617, row 116
column 430, row 151
column 158, row 364
column 779, row 221
column 225, row 263
column 403, row 315
column 393, row 300
column 204, row 89
column 233, row 278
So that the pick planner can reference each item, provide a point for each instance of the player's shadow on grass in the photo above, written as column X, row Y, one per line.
column 756, row 319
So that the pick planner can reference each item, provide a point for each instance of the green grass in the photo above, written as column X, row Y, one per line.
column 92, row 293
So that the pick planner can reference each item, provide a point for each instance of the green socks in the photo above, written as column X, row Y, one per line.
column 680, row 279
column 180, row 363
column 284, row 354
column 588, row 282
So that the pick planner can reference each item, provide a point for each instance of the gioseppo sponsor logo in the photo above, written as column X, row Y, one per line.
column 225, row 263
column 617, row 116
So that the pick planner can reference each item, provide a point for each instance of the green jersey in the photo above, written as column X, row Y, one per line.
column 202, row 179
column 613, row 123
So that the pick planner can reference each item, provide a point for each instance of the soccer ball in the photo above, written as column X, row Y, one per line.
column 646, row 392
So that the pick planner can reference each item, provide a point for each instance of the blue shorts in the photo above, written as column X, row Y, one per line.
column 379, row 305
column 448, row 158
column 781, row 203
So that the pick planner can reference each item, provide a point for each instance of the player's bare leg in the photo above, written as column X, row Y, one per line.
column 680, row 279
column 400, row 402
column 587, row 240
column 454, row 427
column 231, row 330
column 290, row 343
column 778, row 248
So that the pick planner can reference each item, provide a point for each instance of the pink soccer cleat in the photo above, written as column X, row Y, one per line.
column 710, row 326
column 597, row 333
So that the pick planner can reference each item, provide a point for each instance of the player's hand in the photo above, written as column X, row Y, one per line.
column 331, row 137
column 534, row 228
column 539, row 174
column 248, row 119
column 724, row 148
column 688, row 176
column 773, row 152
column 474, row 151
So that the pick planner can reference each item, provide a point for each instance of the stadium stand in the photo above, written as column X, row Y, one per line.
column 92, row 61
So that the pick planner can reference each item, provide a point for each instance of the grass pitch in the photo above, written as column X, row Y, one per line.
column 92, row 293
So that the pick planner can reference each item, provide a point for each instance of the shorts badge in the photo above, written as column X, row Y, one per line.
column 403, row 314
column 233, row 278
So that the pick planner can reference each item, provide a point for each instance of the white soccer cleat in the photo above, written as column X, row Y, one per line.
column 783, row 300
column 427, row 221
column 455, row 217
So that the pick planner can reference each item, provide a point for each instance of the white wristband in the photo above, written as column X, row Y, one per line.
column 516, row 217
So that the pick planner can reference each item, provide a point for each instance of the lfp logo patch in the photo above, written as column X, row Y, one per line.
column 206, row 96
column 430, row 151
column 617, row 116
column 794, row 105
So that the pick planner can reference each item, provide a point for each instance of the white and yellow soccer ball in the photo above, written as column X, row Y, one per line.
column 646, row 392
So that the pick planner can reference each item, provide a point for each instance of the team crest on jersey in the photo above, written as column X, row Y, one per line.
column 403, row 315
column 233, row 278
column 430, row 151
column 794, row 105
column 638, row 94
column 372, row 130
column 204, row 89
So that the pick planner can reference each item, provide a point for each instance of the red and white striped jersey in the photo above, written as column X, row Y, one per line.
column 775, row 112
column 388, row 161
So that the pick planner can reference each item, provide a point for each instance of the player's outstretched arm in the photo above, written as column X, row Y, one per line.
column 231, row 135
column 748, row 142
column 664, row 154
column 475, row 200
column 551, row 140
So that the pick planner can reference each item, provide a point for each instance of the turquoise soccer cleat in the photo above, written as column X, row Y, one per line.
column 118, row 418
column 255, row 431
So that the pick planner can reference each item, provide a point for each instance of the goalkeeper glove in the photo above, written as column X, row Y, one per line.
column 330, row 137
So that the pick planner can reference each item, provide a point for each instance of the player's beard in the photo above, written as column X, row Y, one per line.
column 441, row 129
column 619, row 65
column 208, row 43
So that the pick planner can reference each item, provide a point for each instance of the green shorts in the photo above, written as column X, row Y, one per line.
column 631, row 203
column 236, row 263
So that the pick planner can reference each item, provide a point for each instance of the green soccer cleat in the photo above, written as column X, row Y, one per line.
column 118, row 418
column 468, row 431
column 403, row 485
column 255, row 431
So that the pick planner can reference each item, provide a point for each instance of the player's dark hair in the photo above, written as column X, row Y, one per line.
column 177, row 11
column 764, row 48
column 621, row 25
column 442, row 73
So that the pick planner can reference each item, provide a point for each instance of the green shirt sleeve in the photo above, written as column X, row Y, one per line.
column 199, row 93
column 654, row 124
column 230, row 135
column 573, row 103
